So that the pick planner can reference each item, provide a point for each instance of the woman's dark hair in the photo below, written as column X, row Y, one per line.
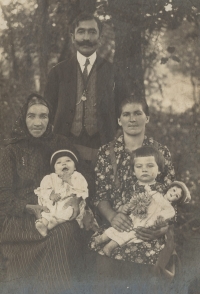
column 134, row 100
column 84, row 16
column 145, row 151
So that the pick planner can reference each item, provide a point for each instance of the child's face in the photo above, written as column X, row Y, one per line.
column 146, row 169
column 173, row 194
column 63, row 165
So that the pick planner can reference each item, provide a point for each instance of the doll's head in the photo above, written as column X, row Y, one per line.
column 178, row 193
column 148, row 163
column 63, row 161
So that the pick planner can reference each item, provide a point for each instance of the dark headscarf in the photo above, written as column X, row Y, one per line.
column 20, row 131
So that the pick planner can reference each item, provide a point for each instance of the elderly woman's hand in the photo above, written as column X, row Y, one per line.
column 74, row 203
column 121, row 222
column 36, row 210
column 55, row 197
column 147, row 234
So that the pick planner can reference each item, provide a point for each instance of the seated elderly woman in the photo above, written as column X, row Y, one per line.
column 114, row 175
column 44, row 262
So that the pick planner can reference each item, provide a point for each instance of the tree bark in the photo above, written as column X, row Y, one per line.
column 73, row 10
column 43, row 40
column 128, row 38
column 15, row 66
column 88, row 5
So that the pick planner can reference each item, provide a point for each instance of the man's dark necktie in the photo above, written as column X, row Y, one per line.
column 85, row 71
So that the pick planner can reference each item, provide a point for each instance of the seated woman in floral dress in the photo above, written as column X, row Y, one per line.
column 114, row 175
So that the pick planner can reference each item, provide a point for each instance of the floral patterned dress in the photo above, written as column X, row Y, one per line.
column 145, row 252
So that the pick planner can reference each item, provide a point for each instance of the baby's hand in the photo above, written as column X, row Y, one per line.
column 160, row 222
column 55, row 197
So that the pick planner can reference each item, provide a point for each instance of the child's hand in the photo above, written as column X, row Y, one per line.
column 55, row 197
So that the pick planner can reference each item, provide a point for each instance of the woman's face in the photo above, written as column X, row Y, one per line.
column 37, row 119
column 133, row 119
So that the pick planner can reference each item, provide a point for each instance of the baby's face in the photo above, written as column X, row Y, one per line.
column 63, row 165
column 146, row 169
column 173, row 194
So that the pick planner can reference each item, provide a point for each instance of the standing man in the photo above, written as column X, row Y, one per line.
column 85, row 91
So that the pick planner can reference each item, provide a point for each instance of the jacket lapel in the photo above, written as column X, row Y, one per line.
column 70, row 82
column 101, row 78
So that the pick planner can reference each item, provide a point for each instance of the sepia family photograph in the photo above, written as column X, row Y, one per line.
column 99, row 146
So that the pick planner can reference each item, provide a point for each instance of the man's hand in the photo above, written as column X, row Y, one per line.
column 121, row 222
column 54, row 197
column 147, row 234
column 36, row 210
column 74, row 203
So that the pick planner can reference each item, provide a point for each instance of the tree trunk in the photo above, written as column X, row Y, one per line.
column 15, row 67
column 88, row 5
column 43, row 40
column 73, row 10
column 128, row 37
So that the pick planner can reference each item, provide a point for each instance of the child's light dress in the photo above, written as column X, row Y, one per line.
column 52, row 182
column 158, row 207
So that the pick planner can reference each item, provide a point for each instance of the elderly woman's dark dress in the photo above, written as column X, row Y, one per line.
column 52, row 260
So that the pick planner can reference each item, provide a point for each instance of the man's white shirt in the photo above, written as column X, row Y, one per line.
column 82, row 59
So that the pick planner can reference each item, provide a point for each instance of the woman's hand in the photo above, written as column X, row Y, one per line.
column 74, row 203
column 147, row 234
column 36, row 210
column 121, row 222
column 54, row 197
column 124, row 208
column 118, row 220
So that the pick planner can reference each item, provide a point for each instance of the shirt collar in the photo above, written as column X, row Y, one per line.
column 82, row 59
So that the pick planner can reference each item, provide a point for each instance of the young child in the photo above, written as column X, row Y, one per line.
column 58, row 188
column 147, row 207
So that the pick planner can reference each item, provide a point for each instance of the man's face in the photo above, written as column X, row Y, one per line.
column 37, row 119
column 145, row 169
column 86, row 37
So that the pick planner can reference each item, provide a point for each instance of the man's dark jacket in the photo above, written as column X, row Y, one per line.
column 61, row 92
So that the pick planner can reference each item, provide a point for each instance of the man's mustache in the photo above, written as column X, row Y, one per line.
column 86, row 43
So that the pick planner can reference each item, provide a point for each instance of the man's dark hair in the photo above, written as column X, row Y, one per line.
column 83, row 17
column 145, row 151
column 134, row 100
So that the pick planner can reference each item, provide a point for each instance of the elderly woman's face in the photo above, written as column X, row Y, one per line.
column 37, row 119
column 133, row 119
